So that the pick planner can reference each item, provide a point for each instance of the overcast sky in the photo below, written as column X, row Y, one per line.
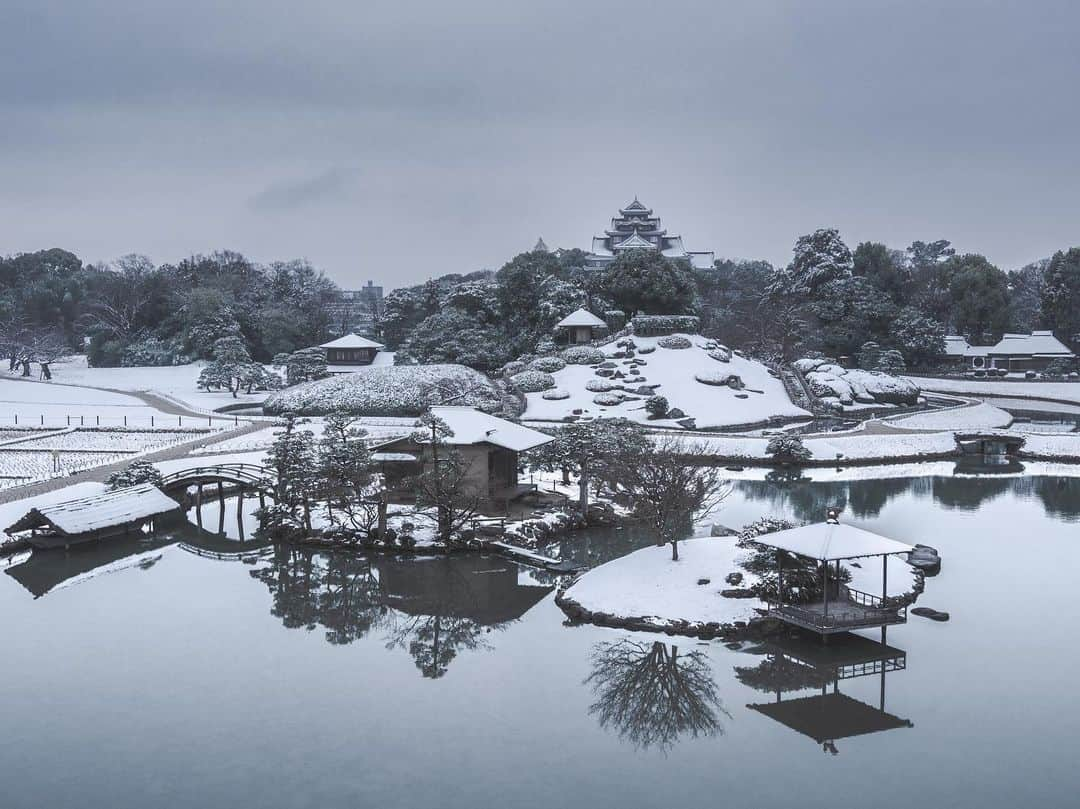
column 399, row 140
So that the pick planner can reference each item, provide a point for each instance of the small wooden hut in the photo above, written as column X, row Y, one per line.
column 86, row 519
column 581, row 327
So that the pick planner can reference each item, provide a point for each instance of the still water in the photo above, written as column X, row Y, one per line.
column 152, row 676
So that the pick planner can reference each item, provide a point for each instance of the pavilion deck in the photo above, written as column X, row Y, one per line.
column 853, row 610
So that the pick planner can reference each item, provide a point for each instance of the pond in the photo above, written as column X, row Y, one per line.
column 192, row 671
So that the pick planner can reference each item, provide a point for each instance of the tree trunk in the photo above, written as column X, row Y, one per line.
column 45, row 372
column 583, row 491
column 674, row 550
column 26, row 367
column 566, row 476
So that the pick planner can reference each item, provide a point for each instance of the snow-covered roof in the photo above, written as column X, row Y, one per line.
column 99, row 511
column 635, row 242
column 352, row 341
column 472, row 426
column 394, row 457
column 1038, row 343
column 956, row 345
column 702, row 260
column 599, row 247
column 582, row 317
column 826, row 541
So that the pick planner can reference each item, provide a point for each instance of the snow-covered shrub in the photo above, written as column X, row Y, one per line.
column 615, row 319
column 807, row 364
column 884, row 387
column 674, row 341
column 394, row 390
column 608, row 399
column 548, row 365
column 546, row 346
column 512, row 368
column 666, row 324
column 869, row 355
column 133, row 474
column 582, row 355
column 656, row 406
column 556, row 394
column 600, row 386
column 720, row 353
column 153, row 351
column 532, row 381
column 719, row 378
column 788, row 449
column 891, row 362
column 646, row 350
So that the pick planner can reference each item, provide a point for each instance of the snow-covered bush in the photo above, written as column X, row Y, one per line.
column 808, row 364
column 395, row 390
column 556, row 394
column 869, row 355
column 600, row 386
column 546, row 346
column 891, row 362
column 720, row 353
column 512, row 368
column 608, row 399
column 674, row 341
column 615, row 319
column 133, row 474
column 646, row 350
column 548, row 365
column 582, row 355
column 656, row 406
column 532, row 381
column 666, row 324
column 719, row 378
column 154, row 351
column 788, row 449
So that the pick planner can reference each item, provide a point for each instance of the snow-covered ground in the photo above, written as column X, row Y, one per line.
column 177, row 382
column 673, row 371
column 974, row 417
column 648, row 584
column 1062, row 391
column 49, row 404
column 844, row 447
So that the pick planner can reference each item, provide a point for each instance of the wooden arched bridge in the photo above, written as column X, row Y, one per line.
column 248, row 477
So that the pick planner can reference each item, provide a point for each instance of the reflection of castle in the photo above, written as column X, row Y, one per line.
column 802, row 663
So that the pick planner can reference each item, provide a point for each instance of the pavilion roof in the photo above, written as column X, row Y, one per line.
column 828, row 541
column 99, row 511
column 581, row 317
column 472, row 426
column 829, row 717
column 352, row 341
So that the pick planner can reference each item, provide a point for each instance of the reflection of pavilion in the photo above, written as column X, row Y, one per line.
column 802, row 663
column 46, row 570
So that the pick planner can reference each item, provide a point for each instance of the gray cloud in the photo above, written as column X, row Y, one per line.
column 166, row 129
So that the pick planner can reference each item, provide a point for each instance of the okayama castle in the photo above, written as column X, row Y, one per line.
column 635, row 228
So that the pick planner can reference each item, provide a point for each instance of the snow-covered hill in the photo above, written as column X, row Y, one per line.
column 621, row 388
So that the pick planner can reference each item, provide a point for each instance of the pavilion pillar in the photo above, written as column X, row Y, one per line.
column 825, row 586
column 884, row 578
column 240, row 512
column 198, row 505
column 780, row 579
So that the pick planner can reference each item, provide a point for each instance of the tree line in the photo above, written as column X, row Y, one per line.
column 829, row 299
column 131, row 312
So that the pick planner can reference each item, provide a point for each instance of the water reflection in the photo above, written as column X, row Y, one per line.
column 802, row 662
column 433, row 608
column 968, row 490
column 651, row 695
column 44, row 571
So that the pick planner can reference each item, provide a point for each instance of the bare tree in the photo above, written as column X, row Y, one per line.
column 670, row 484
column 123, row 298
column 445, row 485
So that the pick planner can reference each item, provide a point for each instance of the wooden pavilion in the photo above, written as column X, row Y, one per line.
column 844, row 608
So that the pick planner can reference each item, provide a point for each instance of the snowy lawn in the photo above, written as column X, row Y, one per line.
column 1062, row 391
column 648, row 584
column 975, row 417
column 171, row 381
column 852, row 446
column 673, row 371
column 35, row 403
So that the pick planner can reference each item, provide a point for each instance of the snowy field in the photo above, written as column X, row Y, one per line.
column 852, row 446
column 975, row 417
column 1062, row 391
column 673, row 371
column 48, row 404
column 173, row 382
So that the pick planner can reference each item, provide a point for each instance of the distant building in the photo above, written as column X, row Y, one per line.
column 635, row 228
column 358, row 310
column 1014, row 352
column 346, row 354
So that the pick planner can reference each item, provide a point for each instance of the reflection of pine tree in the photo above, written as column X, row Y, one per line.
column 434, row 637
column 651, row 695
column 336, row 591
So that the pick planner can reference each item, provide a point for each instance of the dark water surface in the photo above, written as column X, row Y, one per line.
column 149, row 676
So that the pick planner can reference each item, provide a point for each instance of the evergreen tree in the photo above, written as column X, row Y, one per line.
column 1061, row 296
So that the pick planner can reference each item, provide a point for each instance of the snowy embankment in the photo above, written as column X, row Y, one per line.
column 845, row 448
column 980, row 416
column 1057, row 391
column 50, row 404
column 1051, row 446
column 674, row 373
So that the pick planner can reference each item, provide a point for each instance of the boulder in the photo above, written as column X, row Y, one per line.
column 734, row 579
column 719, row 530
column 703, row 581
column 676, row 413
column 738, row 592
column 932, row 614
